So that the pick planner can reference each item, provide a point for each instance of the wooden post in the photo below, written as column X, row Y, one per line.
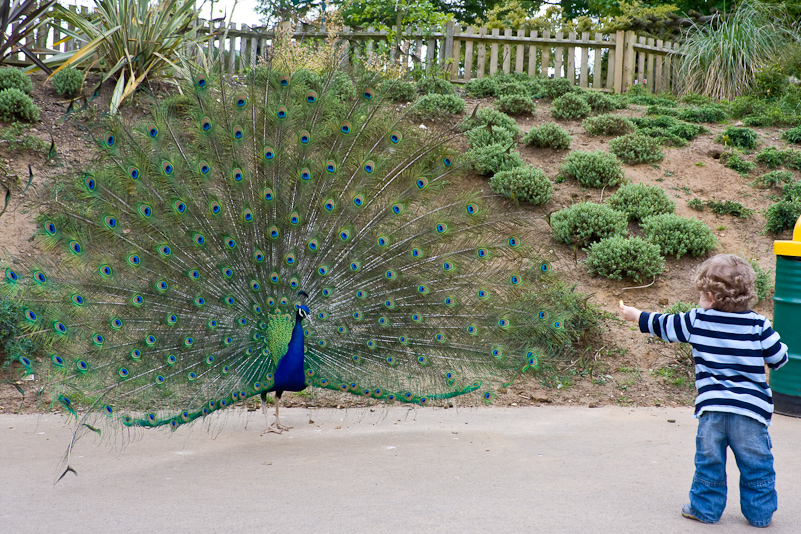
column 520, row 53
column 650, row 74
column 674, row 84
column 468, row 55
column 494, row 53
column 398, row 36
column 481, row 58
column 658, row 66
column 431, row 52
column 457, row 53
column 558, row 56
column 641, row 63
column 620, row 55
column 570, row 69
column 450, row 26
column 628, row 62
column 585, row 50
column 546, row 55
column 666, row 81
column 596, row 65
column 532, row 55
column 507, row 52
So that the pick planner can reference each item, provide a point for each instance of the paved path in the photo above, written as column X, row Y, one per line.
column 544, row 470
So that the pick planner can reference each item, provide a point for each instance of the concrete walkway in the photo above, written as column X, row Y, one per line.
column 539, row 469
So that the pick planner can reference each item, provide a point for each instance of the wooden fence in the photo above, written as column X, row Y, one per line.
column 612, row 62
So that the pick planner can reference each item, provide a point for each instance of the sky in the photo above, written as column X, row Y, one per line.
column 244, row 12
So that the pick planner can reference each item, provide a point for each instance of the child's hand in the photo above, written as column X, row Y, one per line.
column 630, row 313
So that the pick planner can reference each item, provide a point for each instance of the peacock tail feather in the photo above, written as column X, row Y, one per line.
column 169, row 280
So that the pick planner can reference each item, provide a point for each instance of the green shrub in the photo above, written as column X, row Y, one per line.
column 661, row 110
column 773, row 178
column 489, row 136
column 482, row 87
column 637, row 148
column 735, row 161
column 792, row 192
column 15, row 139
column 729, row 207
column 592, row 169
column 639, row 201
column 651, row 100
column 67, row 81
column 490, row 118
column 491, row 159
column 696, row 204
column 14, row 104
column 510, row 87
column 630, row 257
column 793, row 135
column 793, row 159
column 434, row 105
column 678, row 235
column 708, row 113
column 523, row 184
column 696, row 99
column 607, row 125
column 669, row 130
column 556, row 87
column 549, row 135
column 14, row 78
column 515, row 104
column 434, row 85
column 570, row 106
column 771, row 157
column 600, row 102
column 738, row 137
column 587, row 222
column 764, row 281
column 400, row 90
column 782, row 215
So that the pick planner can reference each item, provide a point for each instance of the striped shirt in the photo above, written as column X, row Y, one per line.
column 730, row 352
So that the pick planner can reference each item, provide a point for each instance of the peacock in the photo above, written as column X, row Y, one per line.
column 286, row 230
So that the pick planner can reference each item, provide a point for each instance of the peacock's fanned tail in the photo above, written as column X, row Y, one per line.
column 171, row 269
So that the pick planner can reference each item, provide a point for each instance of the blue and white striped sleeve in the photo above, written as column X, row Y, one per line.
column 674, row 327
column 773, row 350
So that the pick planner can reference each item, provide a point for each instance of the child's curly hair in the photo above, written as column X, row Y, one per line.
column 730, row 280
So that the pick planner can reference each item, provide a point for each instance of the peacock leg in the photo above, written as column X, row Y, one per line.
column 276, row 427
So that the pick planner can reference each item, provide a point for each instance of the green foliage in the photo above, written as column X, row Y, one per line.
column 490, row 118
column 16, row 105
column 782, row 215
column 669, row 130
column 489, row 136
column 771, row 157
column 490, row 159
column 13, row 344
column 515, row 104
column 570, row 106
column 557, row 87
column 14, row 78
column 792, row 192
column 639, row 95
column 637, row 148
column 523, row 184
column 735, row 161
column 739, row 137
column 678, row 235
column 793, row 135
column 662, row 110
column 680, row 307
column 639, row 201
column 773, row 178
column 592, row 169
column 729, row 207
column 434, row 105
column 67, row 81
column 708, row 113
column 549, row 135
column 586, row 222
column 695, row 99
column 617, row 257
column 400, row 90
column 696, row 204
column 482, row 87
column 607, row 125
column 764, row 281
column 601, row 102
column 15, row 139
column 435, row 85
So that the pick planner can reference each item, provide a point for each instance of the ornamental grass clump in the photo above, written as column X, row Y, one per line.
column 639, row 201
column 523, row 184
column 607, row 125
column 637, row 148
column 587, row 222
column 549, row 135
column 592, row 169
column 619, row 257
column 678, row 235
column 570, row 106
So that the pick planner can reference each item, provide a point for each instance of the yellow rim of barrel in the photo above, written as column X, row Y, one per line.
column 790, row 248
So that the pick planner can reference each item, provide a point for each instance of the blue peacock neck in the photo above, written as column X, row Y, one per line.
column 289, row 373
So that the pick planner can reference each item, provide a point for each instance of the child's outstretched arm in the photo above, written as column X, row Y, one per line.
column 630, row 313
column 670, row 327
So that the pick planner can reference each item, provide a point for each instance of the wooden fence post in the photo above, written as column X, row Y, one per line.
column 468, row 55
column 532, row 55
column 585, row 52
column 447, row 52
column 507, row 52
column 596, row 65
column 628, row 62
column 481, row 55
column 570, row 69
column 658, row 66
column 457, row 53
column 558, row 56
column 520, row 52
column 546, row 55
column 494, row 52
column 620, row 54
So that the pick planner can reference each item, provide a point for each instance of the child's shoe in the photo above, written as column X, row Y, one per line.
column 685, row 511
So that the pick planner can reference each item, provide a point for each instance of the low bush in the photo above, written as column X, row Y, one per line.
column 489, row 118
column 523, row 184
column 592, row 169
column 491, row 159
column 556, row 87
column 696, row 99
column 434, row 105
column 67, row 81
column 772, row 179
column 570, row 106
column 735, row 161
column 510, row 87
column 482, row 87
column 661, row 110
column 678, row 235
column 793, row 135
column 434, row 85
column 793, row 159
column 637, row 148
column 729, row 207
column 600, row 102
column 515, row 104
column 708, row 113
column 549, row 135
column 738, row 137
column 14, row 78
column 792, row 192
column 696, row 204
column 489, row 136
column 621, row 257
column 400, row 91
column 764, row 281
column 669, row 130
column 782, row 216
column 639, row 201
column 16, row 105
column 586, row 223
column 651, row 100
column 771, row 157
column 607, row 125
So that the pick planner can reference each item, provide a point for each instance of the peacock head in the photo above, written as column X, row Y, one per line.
column 303, row 311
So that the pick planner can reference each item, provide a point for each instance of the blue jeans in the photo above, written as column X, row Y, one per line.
column 750, row 443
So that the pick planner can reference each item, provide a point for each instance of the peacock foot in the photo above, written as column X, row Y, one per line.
column 276, row 428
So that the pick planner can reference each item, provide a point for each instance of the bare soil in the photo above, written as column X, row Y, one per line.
column 621, row 366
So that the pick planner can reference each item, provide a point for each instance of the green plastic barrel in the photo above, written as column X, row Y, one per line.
column 786, row 382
